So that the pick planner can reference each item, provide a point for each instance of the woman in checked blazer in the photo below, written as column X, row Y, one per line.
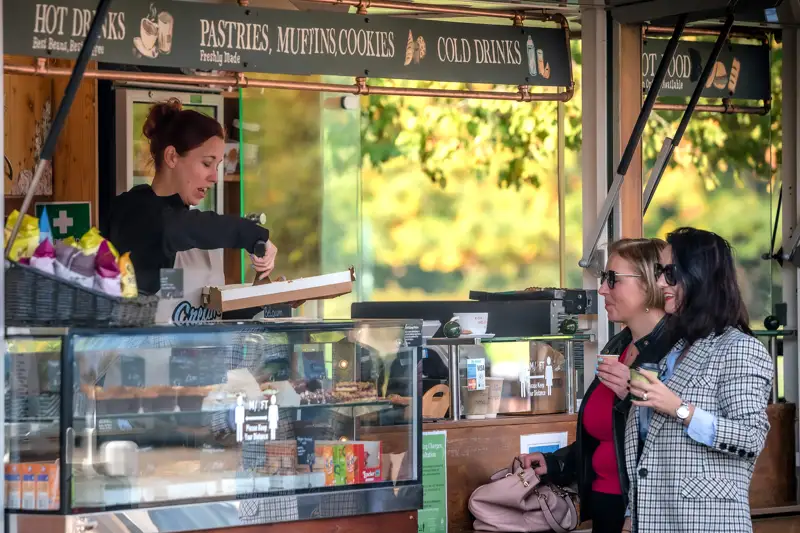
column 692, row 441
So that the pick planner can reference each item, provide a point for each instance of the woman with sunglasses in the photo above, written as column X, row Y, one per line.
column 596, row 460
column 692, row 441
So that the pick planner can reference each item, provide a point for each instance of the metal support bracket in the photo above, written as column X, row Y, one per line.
column 670, row 143
column 636, row 135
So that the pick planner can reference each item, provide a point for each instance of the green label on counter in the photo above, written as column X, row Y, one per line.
column 432, row 518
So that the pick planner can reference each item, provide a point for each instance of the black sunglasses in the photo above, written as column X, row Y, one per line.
column 609, row 277
column 668, row 271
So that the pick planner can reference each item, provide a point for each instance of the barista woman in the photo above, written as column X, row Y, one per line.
column 155, row 222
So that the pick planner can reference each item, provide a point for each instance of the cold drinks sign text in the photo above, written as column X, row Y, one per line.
column 179, row 34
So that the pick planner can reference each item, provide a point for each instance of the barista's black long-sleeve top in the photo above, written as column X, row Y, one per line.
column 155, row 228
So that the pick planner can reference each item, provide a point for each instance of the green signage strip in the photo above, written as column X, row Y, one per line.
column 432, row 518
column 167, row 33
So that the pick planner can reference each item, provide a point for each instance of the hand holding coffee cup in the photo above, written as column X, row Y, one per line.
column 613, row 374
column 649, row 391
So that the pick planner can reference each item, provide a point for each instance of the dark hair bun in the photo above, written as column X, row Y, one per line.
column 168, row 124
column 159, row 118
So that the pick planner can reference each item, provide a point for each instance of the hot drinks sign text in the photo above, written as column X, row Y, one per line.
column 168, row 33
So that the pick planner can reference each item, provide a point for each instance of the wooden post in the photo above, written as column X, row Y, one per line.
column 75, row 176
column 628, row 103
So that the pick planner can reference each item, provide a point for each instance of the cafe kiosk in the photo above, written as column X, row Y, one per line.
column 112, row 445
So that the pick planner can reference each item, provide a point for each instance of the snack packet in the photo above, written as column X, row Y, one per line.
column 44, row 257
column 91, row 241
column 127, row 276
column 27, row 239
column 106, row 273
column 72, row 265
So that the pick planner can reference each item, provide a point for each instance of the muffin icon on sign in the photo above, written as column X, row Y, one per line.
column 155, row 34
column 415, row 50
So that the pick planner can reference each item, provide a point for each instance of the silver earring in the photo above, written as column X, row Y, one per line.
column 646, row 309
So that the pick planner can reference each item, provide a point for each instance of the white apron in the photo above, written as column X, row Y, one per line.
column 201, row 268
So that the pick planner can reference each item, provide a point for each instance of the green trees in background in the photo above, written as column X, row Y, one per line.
column 443, row 195
column 462, row 194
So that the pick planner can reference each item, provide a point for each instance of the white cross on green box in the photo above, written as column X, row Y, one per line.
column 67, row 219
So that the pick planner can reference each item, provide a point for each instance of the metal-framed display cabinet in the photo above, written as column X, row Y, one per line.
column 185, row 429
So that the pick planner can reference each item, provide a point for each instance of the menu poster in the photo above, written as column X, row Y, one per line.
column 476, row 374
column 305, row 451
column 432, row 518
column 196, row 367
column 133, row 372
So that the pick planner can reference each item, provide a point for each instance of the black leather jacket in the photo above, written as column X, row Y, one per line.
column 574, row 463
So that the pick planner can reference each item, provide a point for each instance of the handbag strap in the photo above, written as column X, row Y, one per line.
column 548, row 514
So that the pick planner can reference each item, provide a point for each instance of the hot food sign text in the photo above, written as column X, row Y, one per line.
column 229, row 37
column 741, row 71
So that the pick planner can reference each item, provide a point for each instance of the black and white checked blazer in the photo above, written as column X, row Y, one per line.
column 678, row 484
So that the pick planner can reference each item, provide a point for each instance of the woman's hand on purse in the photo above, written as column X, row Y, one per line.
column 536, row 461
column 615, row 376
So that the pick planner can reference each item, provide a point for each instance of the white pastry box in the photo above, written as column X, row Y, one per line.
column 234, row 297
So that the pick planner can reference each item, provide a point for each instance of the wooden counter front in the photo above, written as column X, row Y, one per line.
column 390, row 522
column 774, row 482
column 476, row 449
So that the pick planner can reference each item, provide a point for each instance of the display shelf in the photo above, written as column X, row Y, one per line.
column 231, row 445
column 466, row 341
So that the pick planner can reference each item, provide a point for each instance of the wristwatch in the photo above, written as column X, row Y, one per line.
column 683, row 411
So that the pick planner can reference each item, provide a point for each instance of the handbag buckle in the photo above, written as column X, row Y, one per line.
column 522, row 478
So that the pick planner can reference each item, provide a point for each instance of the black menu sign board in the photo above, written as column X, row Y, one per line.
column 196, row 367
column 132, row 370
column 225, row 36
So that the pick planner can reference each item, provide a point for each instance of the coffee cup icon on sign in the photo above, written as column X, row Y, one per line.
column 165, row 25
column 155, row 34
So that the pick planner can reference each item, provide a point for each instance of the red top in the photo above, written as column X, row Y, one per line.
column 597, row 422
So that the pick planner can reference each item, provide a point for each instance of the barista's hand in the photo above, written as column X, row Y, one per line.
column 264, row 265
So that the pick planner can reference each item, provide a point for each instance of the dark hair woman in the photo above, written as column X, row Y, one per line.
column 155, row 222
column 692, row 441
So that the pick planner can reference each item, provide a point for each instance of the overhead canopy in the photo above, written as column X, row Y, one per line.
column 665, row 12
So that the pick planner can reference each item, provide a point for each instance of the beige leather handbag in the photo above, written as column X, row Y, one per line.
column 516, row 500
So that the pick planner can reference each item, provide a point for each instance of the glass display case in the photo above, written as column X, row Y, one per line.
column 211, row 426
column 499, row 376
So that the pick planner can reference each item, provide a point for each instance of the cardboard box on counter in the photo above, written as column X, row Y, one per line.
column 233, row 297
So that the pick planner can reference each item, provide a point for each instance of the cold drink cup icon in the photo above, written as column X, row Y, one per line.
column 531, row 57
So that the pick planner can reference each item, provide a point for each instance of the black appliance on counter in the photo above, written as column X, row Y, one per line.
column 511, row 314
